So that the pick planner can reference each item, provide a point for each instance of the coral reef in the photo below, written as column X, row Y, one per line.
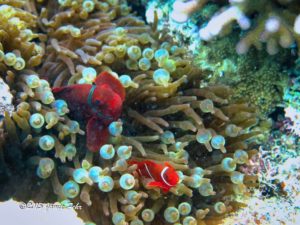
column 277, row 167
column 169, row 115
column 253, row 75
column 291, row 101
column 6, row 99
column 276, row 22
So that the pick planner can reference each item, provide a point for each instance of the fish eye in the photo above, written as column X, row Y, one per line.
column 98, row 102
column 168, row 177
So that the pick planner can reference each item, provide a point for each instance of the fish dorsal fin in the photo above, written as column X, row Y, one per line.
column 150, row 163
column 168, row 165
column 108, row 79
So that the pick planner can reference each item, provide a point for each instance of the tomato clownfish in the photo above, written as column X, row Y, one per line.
column 163, row 176
column 97, row 104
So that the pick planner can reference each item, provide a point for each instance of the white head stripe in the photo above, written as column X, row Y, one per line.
column 148, row 171
column 162, row 175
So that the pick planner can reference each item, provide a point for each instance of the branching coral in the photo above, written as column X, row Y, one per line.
column 168, row 116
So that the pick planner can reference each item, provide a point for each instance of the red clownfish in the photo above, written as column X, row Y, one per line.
column 98, row 105
column 163, row 176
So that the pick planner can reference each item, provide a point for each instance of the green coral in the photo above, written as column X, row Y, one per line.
column 258, row 77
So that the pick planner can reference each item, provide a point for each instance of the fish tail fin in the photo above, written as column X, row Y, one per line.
column 57, row 89
column 74, row 92
column 97, row 134
column 61, row 92
column 58, row 92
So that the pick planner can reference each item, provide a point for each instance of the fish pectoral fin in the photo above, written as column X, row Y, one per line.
column 155, row 184
column 115, row 85
column 97, row 134
column 160, row 185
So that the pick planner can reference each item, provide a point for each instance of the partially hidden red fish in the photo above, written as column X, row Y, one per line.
column 163, row 176
column 98, row 104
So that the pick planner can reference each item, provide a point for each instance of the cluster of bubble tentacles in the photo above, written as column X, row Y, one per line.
column 169, row 115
